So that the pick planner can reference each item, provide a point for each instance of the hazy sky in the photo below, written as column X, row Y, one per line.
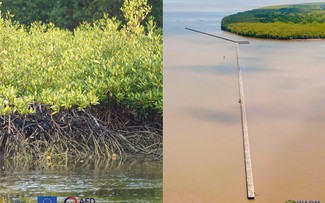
column 207, row 14
column 210, row 5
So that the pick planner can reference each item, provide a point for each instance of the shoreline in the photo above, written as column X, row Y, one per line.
column 275, row 39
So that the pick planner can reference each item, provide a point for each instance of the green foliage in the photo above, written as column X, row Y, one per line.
column 299, row 21
column 134, row 13
column 96, row 63
column 279, row 30
column 69, row 14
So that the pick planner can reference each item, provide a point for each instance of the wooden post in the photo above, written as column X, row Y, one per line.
column 247, row 154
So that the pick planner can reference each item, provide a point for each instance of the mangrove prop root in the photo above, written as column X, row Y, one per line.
column 95, row 131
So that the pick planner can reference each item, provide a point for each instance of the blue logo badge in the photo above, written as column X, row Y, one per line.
column 46, row 199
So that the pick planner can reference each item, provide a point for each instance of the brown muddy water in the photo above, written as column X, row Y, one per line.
column 104, row 180
column 284, row 83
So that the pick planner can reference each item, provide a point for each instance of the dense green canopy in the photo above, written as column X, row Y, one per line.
column 69, row 14
column 99, row 62
column 300, row 21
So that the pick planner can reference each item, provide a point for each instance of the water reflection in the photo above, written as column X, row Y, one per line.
column 212, row 115
column 222, row 69
column 225, row 69
column 106, row 180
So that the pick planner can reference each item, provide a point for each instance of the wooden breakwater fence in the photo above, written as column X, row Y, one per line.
column 247, row 154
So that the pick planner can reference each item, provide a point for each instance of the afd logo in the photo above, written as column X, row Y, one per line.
column 301, row 201
column 72, row 199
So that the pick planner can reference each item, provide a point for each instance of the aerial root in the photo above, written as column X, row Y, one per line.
column 77, row 133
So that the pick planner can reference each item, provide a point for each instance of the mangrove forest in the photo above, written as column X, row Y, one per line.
column 299, row 21
column 79, row 88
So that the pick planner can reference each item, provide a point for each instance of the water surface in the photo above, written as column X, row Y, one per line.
column 285, row 96
column 130, row 180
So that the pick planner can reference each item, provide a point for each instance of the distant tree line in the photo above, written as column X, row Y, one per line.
column 70, row 13
column 286, row 22
column 279, row 30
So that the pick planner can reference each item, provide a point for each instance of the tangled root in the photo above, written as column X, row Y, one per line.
column 97, row 131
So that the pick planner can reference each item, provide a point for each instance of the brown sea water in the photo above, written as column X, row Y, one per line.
column 285, row 97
